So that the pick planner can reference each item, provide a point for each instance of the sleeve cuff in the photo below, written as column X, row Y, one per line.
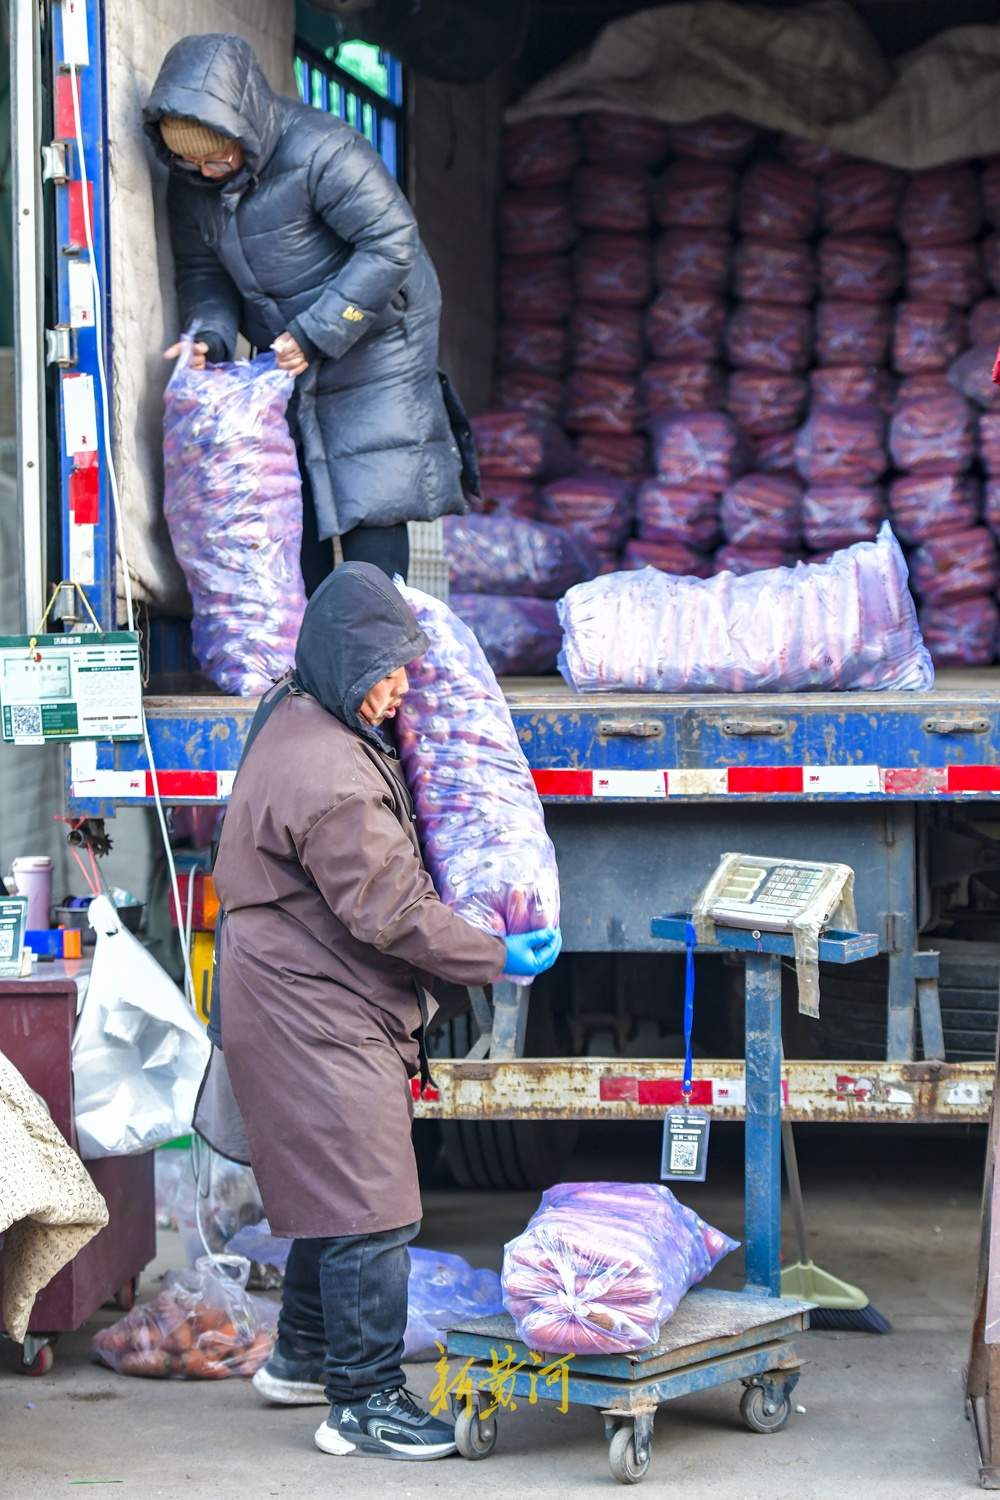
column 218, row 351
column 305, row 343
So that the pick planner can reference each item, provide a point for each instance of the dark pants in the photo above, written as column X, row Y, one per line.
column 386, row 547
column 344, row 1302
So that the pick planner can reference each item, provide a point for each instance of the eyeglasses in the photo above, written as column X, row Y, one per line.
column 207, row 168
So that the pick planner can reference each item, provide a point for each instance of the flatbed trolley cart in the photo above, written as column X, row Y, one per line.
column 714, row 1337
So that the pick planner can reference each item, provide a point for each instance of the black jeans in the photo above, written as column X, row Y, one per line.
column 386, row 547
column 344, row 1301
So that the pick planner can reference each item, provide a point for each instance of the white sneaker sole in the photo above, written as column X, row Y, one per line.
column 329, row 1440
column 288, row 1392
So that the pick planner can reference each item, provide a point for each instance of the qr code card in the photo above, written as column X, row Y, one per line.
column 685, row 1145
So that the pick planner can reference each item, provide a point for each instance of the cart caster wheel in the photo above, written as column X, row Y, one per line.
column 40, row 1362
column 764, row 1410
column 474, row 1437
column 124, row 1298
column 626, row 1465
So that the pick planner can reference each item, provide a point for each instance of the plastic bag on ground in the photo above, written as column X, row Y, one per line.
column 669, row 557
column 945, row 273
column 843, row 625
column 704, row 449
column 677, row 513
column 972, row 375
column 774, row 271
column 605, row 338
column 926, row 336
column 766, row 336
column 685, row 325
column 619, row 139
column 174, row 1188
column 960, row 565
column 778, row 202
column 718, row 138
column 598, row 506
column 540, row 152
column 233, row 505
column 203, row 1325
column 606, row 454
column 926, row 505
column 681, row 385
column 765, row 403
column 936, row 436
column 963, row 634
column 479, row 819
column 541, row 348
column 940, row 206
column 602, row 1265
column 139, row 1051
column 520, row 445
column 614, row 269
column 763, row 511
column 695, row 194
column 535, row 221
column 519, row 637
column 861, row 197
column 859, row 268
column 522, row 390
column 838, row 515
column 598, row 402
column 535, row 288
column 444, row 1290
column 225, row 1199
column 501, row 555
column 852, row 333
column 698, row 259
column 842, row 443
column 615, row 199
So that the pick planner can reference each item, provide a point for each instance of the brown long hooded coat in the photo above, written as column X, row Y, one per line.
column 331, row 921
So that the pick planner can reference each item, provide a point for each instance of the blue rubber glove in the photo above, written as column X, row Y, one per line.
column 531, row 953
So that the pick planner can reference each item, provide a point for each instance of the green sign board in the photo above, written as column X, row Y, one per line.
column 70, row 687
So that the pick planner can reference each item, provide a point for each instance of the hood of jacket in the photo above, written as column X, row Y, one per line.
column 357, row 628
column 216, row 80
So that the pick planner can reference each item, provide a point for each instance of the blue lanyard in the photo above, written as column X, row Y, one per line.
column 690, row 939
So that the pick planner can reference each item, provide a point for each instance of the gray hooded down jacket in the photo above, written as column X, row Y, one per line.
column 315, row 237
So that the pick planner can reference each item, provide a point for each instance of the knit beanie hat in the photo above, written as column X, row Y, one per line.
column 190, row 138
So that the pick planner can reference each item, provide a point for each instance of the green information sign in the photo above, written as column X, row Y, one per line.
column 13, row 916
column 70, row 687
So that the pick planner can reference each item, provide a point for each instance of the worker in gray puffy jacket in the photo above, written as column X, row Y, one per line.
column 287, row 227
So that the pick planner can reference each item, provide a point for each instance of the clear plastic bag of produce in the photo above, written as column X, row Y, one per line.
column 960, row 565
column 602, row 1265
column 765, row 403
column 522, row 390
column 859, row 267
column 614, row 269
column 945, row 273
column 595, row 401
column 510, row 497
column 479, row 820
column 501, row 555
column 852, row 333
column 696, row 194
column 934, row 436
column 763, row 511
column 846, row 624
column 698, row 259
column 926, row 505
column 718, row 138
column 619, row 139
column 940, row 206
column 705, row 449
column 444, row 1290
column 669, row 557
column 851, row 385
column 838, row 515
column 962, row 634
column 608, row 455
column 535, row 221
column 606, row 338
column 926, row 336
column 861, row 197
column 174, row 1188
column 989, row 441
column 540, row 152
column 766, row 336
column 677, row 513
column 932, row 385
column 535, row 288
column 774, row 271
column 685, row 325
column 810, row 156
column 519, row 637
column 225, row 1200
column 842, row 443
column 613, row 199
column 202, row 1325
column 744, row 560
column 598, row 506
column 972, row 375
column 984, row 322
column 520, row 445
column 778, row 202
column 774, row 453
column 681, row 385
column 233, row 506
column 541, row 348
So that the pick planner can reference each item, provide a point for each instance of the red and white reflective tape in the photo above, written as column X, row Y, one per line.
column 718, row 1093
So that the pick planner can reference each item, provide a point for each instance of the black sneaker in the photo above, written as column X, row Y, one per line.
column 291, row 1382
column 389, row 1424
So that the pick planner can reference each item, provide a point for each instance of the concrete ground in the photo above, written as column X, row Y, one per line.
column 897, row 1213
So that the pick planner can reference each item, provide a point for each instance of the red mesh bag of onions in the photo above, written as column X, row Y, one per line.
column 859, row 268
column 842, row 443
column 861, row 197
column 766, row 336
column 669, row 557
column 597, row 402
column 683, row 325
column 810, row 156
column 478, row 816
column 499, row 555
column 703, row 449
column 778, row 202
column 536, row 221
column 510, row 497
column 852, row 333
column 763, row 511
column 991, row 260
column 520, row 445
column 697, row 259
column 963, row 634
column 926, row 505
column 991, row 505
column 961, row 565
column 774, row 271
column 984, row 322
column 696, row 195
column 927, row 387
column 719, row 138
column 541, row 348
column 765, row 404
column 520, row 390
column 677, row 513
column 774, row 453
column 837, row 515
column 616, row 269
column 537, row 289
column 607, row 338
column 743, row 560
column 611, row 198
column 927, row 336
column 940, row 207
column 945, row 273
column 623, row 140
column 936, row 435
column 989, row 441
column 681, row 385
column 989, row 183
column 540, row 152
column 850, row 385
column 598, row 505
column 519, row 637
column 621, row 457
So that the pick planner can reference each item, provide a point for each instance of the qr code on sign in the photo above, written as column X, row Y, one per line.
column 683, row 1156
column 25, row 720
